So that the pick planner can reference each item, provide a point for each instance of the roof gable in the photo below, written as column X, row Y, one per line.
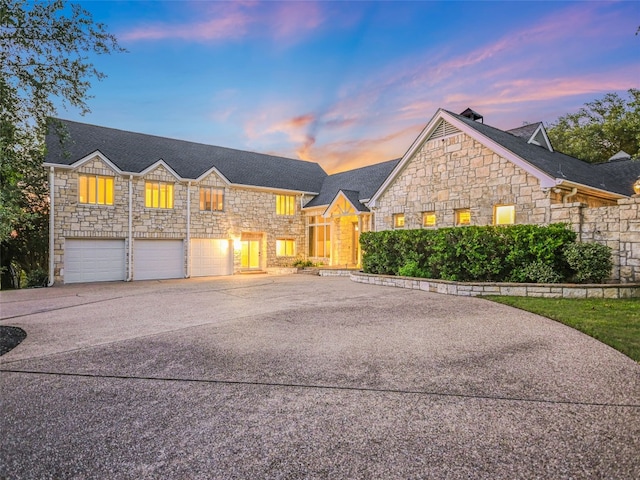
column 136, row 153
column 549, row 167
column 365, row 181
column 347, row 203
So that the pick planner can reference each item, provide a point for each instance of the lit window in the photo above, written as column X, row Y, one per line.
column 285, row 204
column 319, row 237
column 504, row 215
column 95, row 189
column 158, row 195
column 398, row 220
column 212, row 199
column 463, row 216
column 429, row 219
column 285, row 248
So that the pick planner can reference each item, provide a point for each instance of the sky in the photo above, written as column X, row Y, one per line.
column 347, row 84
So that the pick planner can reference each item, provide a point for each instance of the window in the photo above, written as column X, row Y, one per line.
column 158, row 195
column 285, row 204
column 285, row 248
column 429, row 219
column 463, row 216
column 95, row 189
column 398, row 220
column 212, row 199
column 319, row 237
column 504, row 215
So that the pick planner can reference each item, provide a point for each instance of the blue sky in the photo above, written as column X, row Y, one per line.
column 348, row 84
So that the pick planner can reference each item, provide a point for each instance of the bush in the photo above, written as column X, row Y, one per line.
column 589, row 262
column 303, row 263
column 538, row 272
column 36, row 278
column 469, row 253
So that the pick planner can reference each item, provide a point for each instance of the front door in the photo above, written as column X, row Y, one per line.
column 250, row 257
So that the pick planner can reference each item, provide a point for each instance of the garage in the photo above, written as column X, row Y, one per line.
column 94, row 260
column 158, row 259
column 211, row 257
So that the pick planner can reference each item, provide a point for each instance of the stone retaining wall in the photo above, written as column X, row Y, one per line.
column 464, row 289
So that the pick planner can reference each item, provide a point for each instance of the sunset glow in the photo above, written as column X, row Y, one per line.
column 347, row 84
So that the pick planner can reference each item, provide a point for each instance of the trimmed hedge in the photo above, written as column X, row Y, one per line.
column 515, row 253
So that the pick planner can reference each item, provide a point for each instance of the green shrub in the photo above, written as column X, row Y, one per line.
column 412, row 269
column 36, row 278
column 303, row 263
column 538, row 272
column 469, row 253
column 589, row 262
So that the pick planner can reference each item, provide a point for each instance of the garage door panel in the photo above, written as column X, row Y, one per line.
column 91, row 260
column 211, row 257
column 158, row 259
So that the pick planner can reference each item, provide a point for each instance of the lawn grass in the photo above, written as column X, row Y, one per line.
column 615, row 322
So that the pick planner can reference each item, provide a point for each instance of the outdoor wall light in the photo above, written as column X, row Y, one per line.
column 636, row 186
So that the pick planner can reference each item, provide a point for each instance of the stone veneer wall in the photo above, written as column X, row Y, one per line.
column 511, row 289
column 616, row 226
column 459, row 172
column 245, row 211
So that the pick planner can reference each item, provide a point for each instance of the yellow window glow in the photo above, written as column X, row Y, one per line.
column 429, row 219
column 83, row 189
column 505, row 215
column 92, row 189
column 109, row 190
column 398, row 220
column 463, row 216
column 169, row 201
column 285, row 248
column 285, row 205
column 95, row 189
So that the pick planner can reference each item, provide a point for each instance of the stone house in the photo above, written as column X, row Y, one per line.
column 128, row 206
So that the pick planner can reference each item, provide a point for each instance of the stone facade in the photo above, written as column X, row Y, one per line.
column 616, row 226
column 464, row 289
column 458, row 172
column 246, row 211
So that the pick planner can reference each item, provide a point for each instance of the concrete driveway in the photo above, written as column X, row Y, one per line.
column 305, row 377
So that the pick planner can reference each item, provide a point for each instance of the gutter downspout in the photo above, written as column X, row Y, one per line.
column 130, row 243
column 574, row 190
column 188, row 275
column 52, row 264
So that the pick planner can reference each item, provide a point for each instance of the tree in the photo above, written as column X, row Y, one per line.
column 44, row 57
column 600, row 129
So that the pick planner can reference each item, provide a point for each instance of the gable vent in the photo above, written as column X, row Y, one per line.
column 443, row 129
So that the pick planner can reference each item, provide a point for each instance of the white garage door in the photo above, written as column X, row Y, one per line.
column 211, row 257
column 157, row 259
column 89, row 260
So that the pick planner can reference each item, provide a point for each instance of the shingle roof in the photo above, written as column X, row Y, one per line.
column 555, row 164
column 625, row 171
column 525, row 131
column 365, row 181
column 134, row 152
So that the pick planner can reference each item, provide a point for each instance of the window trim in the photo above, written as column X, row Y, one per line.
column 316, row 224
column 457, row 217
column 149, row 201
column 98, row 179
column 285, row 204
column 397, row 225
column 212, row 197
column 512, row 213
column 424, row 218
column 287, row 242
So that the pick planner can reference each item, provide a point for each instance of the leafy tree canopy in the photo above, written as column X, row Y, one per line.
column 600, row 129
column 44, row 58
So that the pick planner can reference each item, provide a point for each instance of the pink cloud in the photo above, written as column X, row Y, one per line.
column 233, row 20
